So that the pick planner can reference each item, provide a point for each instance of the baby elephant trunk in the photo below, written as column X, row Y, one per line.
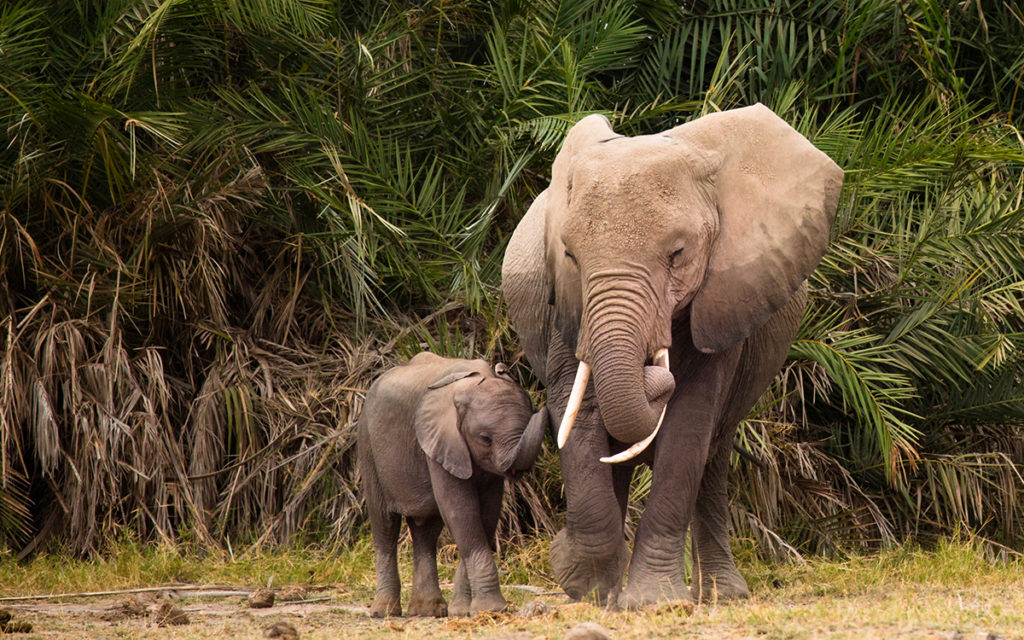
column 529, row 445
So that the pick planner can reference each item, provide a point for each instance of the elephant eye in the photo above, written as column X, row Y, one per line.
column 676, row 255
column 486, row 440
column 571, row 257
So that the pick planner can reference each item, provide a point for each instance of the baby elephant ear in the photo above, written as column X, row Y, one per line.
column 437, row 425
column 450, row 378
column 776, row 195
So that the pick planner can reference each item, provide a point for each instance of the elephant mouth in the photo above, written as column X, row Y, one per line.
column 660, row 360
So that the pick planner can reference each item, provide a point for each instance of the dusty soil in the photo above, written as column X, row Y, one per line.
column 220, row 613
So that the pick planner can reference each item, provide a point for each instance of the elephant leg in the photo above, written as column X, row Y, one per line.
column 657, row 568
column 462, row 593
column 491, row 495
column 426, row 597
column 385, row 527
column 622, row 478
column 460, row 502
column 715, row 576
column 762, row 355
column 589, row 555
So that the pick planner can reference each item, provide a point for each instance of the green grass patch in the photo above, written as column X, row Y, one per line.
column 964, row 563
column 130, row 565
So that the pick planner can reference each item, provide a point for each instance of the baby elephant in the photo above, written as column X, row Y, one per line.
column 436, row 438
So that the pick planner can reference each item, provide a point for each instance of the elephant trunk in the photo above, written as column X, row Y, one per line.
column 630, row 395
column 529, row 444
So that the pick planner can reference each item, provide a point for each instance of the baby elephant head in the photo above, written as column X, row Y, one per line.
column 468, row 418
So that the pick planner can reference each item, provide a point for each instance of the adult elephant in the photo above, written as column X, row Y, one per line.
column 672, row 268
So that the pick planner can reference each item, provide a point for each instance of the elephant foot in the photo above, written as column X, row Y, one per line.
column 645, row 591
column 459, row 606
column 584, row 574
column 385, row 606
column 468, row 607
column 488, row 602
column 717, row 587
column 432, row 606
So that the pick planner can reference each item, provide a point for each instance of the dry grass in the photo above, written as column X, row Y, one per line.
column 908, row 593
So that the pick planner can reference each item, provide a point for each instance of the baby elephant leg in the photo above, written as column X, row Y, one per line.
column 471, row 512
column 385, row 527
column 484, row 597
column 426, row 597
column 462, row 594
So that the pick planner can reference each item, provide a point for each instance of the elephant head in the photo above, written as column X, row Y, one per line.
column 712, row 225
column 467, row 417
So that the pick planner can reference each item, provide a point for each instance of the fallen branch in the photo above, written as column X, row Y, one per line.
column 213, row 590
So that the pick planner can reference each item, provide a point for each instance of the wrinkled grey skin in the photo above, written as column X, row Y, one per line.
column 699, row 240
column 436, row 438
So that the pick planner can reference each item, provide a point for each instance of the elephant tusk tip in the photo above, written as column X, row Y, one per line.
column 563, row 436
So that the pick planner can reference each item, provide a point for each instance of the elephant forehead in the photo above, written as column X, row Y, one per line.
column 635, row 202
column 500, row 396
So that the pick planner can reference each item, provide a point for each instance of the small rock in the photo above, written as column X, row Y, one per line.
column 993, row 636
column 167, row 614
column 588, row 631
column 261, row 599
column 282, row 630
column 536, row 607
column 127, row 608
column 292, row 593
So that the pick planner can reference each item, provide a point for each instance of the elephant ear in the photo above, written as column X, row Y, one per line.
column 501, row 370
column 776, row 196
column 437, row 425
column 444, row 381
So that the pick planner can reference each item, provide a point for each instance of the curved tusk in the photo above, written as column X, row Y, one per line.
column 661, row 360
column 579, row 387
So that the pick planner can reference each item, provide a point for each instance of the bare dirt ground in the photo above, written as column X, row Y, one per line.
column 905, row 612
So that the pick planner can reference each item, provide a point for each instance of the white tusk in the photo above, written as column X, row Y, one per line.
column 637, row 448
column 661, row 357
column 579, row 387
column 661, row 360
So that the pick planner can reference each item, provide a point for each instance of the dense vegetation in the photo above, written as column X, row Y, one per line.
column 218, row 220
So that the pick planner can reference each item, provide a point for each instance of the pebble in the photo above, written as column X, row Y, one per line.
column 588, row 631
column 534, row 608
column 168, row 614
column 261, row 599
